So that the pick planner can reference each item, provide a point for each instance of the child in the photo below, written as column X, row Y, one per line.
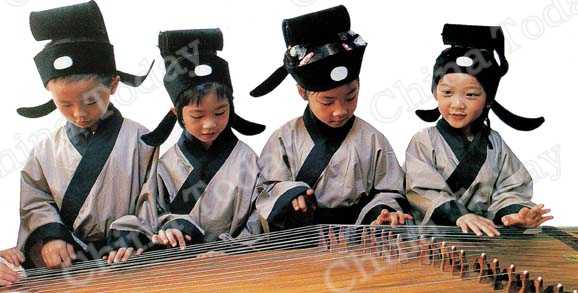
column 207, row 181
column 327, row 166
column 11, row 257
column 461, row 172
column 89, row 172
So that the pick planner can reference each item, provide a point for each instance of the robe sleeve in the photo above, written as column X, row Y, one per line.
column 427, row 190
column 136, row 228
column 168, row 220
column 513, row 188
column 278, row 186
column 387, row 186
column 40, row 219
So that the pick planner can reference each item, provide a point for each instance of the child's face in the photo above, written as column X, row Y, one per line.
column 81, row 102
column 461, row 99
column 207, row 119
column 333, row 107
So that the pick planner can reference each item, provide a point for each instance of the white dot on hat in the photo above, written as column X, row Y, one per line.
column 339, row 73
column 464, row 61
column 63, row 62
column 203, row 70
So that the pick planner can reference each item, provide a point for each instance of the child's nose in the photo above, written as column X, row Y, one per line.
column 209, row 124
column 458, row 102
column 340, row 110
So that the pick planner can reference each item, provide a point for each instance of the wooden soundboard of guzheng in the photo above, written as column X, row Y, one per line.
column 339, row 258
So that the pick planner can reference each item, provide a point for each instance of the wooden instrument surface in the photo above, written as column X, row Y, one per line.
column 339, row 258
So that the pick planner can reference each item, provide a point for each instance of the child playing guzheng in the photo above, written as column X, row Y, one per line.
column 327, row 166
column 90, row 171
column 461, row 172
column 207, row 182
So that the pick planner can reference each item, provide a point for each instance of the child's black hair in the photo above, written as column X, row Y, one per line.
column 196, row 94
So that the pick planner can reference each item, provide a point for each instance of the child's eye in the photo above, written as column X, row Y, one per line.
column 196, row 117
column 473, row 95
column 447, row 93
column 326, row 103
column 220, row 113
column 350, row 99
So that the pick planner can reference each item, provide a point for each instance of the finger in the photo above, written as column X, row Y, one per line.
column 20, row 256
column 13, row 259
column 163, row 237
column 8, row 275
column 189, row 238
column 71, row 252
column 111, row 256
column 393, row 220
column 545, row 211
column 139, row 251
column 155, row 239
column 543, row 220
column 302, row 203
column 295, row 204
column 119, row 255
column 408, row 216
column 475, row 229
column 462, row 226
column 180, row 240
column 309, row 192
column 401, row 218
column 171, row 237
column 63, row 254
column 127, row 254
column 489, row 230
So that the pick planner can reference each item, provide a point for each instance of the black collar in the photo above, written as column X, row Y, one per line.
column 320, row 131
column 79, row 137
column 458, row 142
column 196, row 153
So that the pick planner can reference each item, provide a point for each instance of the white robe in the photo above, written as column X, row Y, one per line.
column 363, row 166
column 501, row 182
column 48, row 172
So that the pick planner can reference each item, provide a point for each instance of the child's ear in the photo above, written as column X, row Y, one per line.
column 114, row 84
column 302, row 92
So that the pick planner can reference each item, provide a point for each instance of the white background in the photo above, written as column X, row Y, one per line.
column 404, row 39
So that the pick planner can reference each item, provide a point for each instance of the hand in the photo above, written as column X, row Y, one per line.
column 7, row 276
column 393, row 218
column 478, row 225
column 171, row 237
column 121, row 255
column 300, row 203
column 528, row 218
column 57, row 254
column 13, row 256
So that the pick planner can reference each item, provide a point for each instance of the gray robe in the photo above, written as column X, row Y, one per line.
column 502, row 182
column 221, row 208
column 46, row 176
column 362, row 175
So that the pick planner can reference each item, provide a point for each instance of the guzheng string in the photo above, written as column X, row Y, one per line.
column 297, row 238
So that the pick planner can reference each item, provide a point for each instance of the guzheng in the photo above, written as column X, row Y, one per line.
column 339, row 258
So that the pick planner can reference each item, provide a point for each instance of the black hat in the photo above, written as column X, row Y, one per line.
column 322, row 52
column 79, row 45
column 471, row 51
column 191, row 59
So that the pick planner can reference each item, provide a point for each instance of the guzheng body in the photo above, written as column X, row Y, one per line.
column 339, row 258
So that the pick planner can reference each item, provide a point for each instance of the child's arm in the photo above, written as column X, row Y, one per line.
column 388, row 203
column 44, row 238
column 131, row 234
column 427, row 190
column 283, row 201
column 511, row 201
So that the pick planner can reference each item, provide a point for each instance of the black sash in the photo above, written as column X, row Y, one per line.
column 327, row 141
column 205, row 163
column 96, row 155
column 471, row 155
